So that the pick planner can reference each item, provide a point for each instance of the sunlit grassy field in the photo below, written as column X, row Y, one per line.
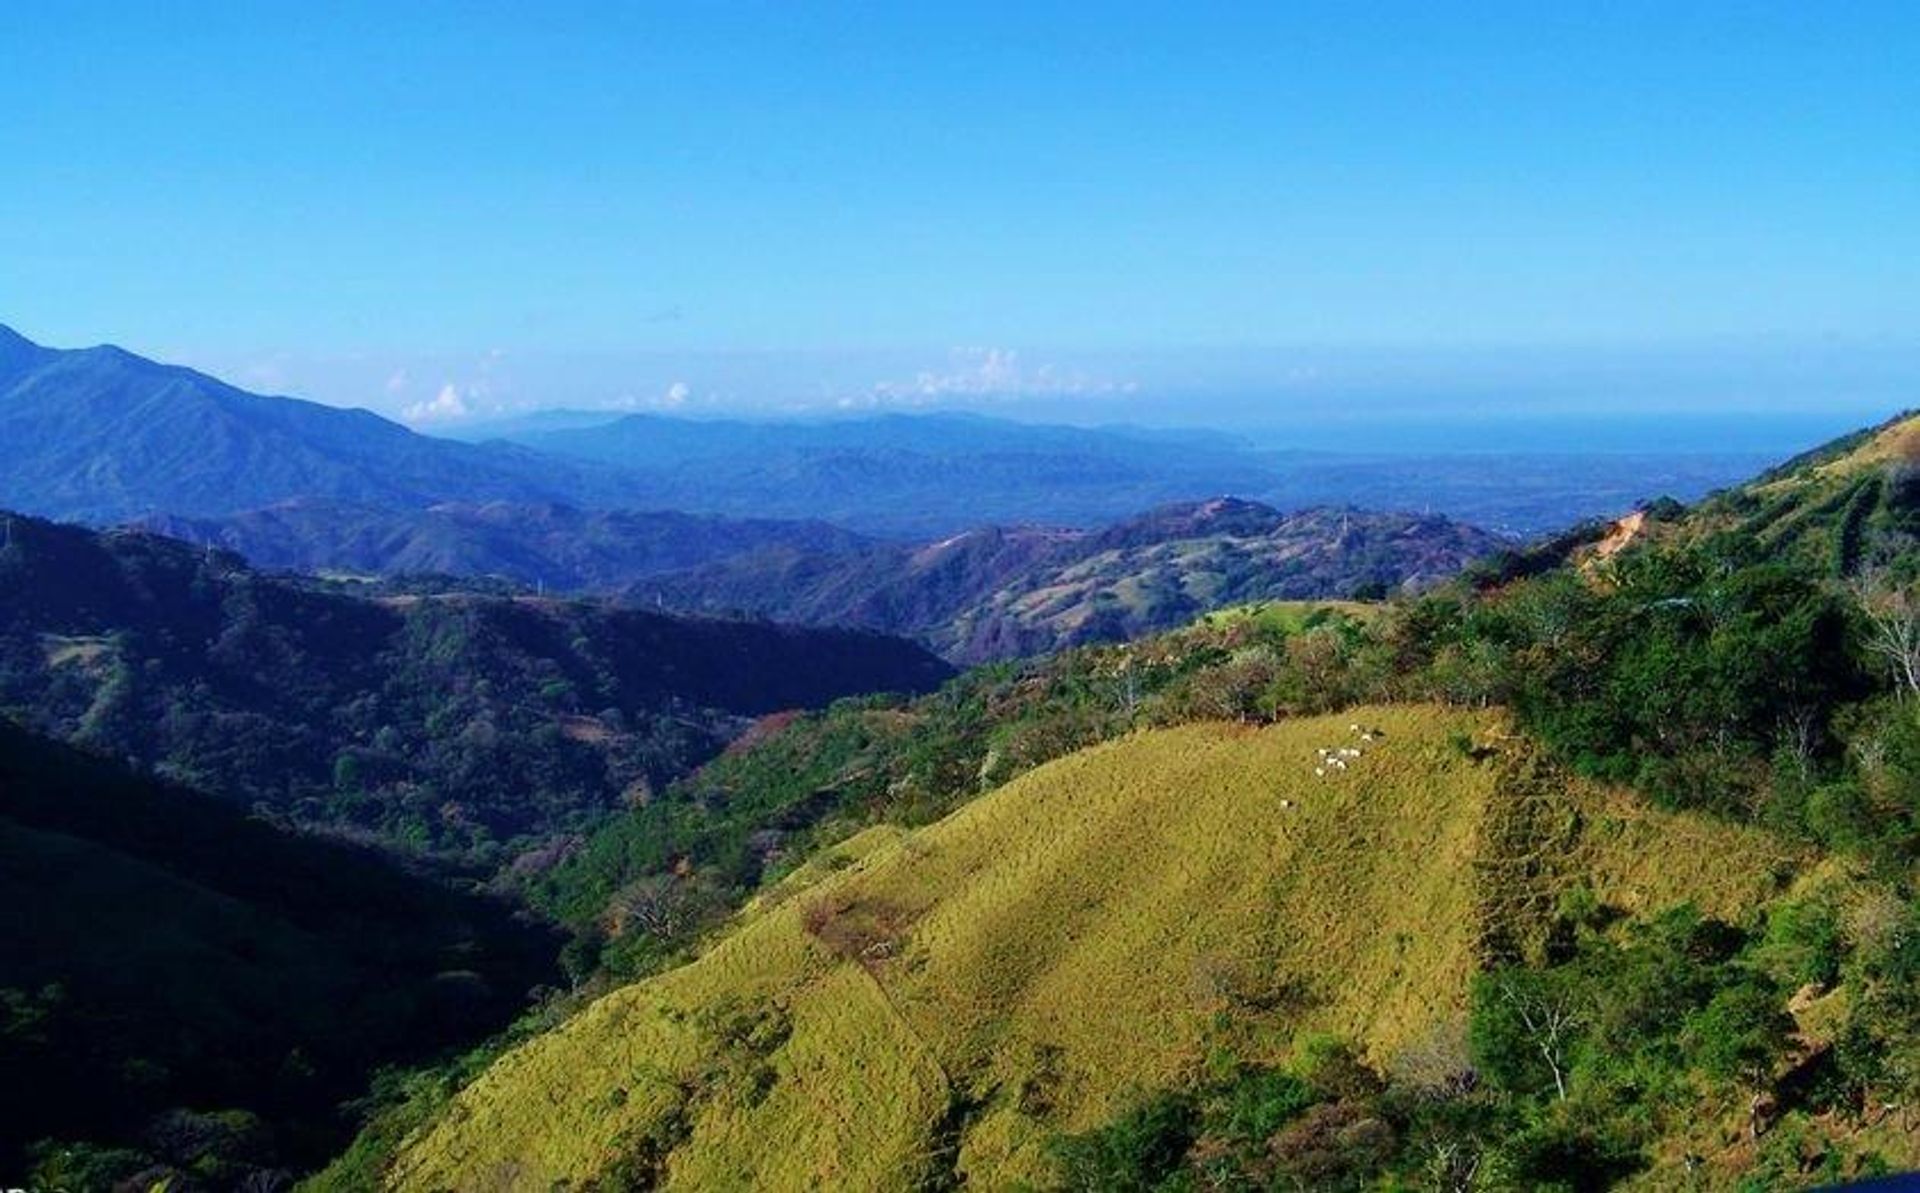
column 925, row 1004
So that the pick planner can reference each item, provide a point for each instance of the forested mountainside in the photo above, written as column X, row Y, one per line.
column 996, row 592
column 557, row 547
column 184, row 987
column 455, row 724
column 101, row 434
column 999, row 593
column 1852, row 507
column 1581, row 873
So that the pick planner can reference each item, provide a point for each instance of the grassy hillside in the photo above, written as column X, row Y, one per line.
column 935, row 1004
column 165, row 958
column 1848, row 505
column 644, row 884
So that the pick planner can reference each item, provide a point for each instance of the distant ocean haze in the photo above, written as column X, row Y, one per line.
column 1742, row 436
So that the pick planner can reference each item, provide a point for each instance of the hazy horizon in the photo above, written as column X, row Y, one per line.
column 1749, row 399
column 1266, row 221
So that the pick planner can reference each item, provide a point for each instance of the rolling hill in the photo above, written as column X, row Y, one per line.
column 929, row 1006
column 1004, row 592
column 448, row 722
column 1594, row 872
column 179, row 978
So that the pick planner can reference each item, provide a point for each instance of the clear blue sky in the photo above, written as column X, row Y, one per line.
column 729, row 206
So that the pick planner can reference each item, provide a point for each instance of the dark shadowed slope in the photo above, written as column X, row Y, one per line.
column 164, row 951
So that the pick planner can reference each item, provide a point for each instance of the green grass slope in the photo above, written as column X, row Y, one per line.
column 929, row 1006
column 1849, row 504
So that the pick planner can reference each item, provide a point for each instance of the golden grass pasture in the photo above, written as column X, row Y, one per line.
column 940, row 1001
column 82, row 650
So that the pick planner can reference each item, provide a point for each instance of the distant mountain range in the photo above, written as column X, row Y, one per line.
column 102, row 435
column 910, row 475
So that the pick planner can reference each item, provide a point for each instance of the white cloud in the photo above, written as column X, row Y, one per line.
column 473, row 388
column 990, row 373
column 447, row 405
column 673, row 397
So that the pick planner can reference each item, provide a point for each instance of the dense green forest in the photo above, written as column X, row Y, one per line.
column 454, row 723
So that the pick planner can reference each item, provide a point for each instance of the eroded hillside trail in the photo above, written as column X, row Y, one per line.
column 1529, row 837
column 1619, row 536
